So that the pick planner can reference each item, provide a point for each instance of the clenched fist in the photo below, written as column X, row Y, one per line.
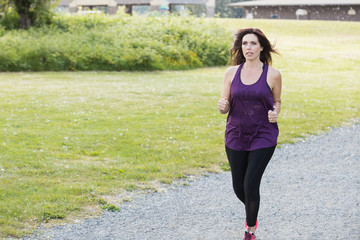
column 272, row 115
column 223, row 105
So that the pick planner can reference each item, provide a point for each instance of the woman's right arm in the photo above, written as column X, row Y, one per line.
column 223, row 104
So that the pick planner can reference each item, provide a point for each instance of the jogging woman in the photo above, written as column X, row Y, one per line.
column 251, row 97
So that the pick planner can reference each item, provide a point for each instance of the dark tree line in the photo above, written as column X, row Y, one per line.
column 221, row 9
column 225, row 11
column 25, row 13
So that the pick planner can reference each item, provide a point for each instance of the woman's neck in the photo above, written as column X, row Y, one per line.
column 253, row 64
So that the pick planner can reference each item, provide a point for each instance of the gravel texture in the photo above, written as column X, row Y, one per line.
column 310, row 190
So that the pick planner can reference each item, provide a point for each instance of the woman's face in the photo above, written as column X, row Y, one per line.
column 251, row 47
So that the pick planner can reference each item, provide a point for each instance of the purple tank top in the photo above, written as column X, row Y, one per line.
column 248, row 127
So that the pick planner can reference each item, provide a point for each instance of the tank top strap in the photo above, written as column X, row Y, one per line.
column 237, row 74
column 264, row 73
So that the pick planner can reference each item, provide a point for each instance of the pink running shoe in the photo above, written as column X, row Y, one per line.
column 246, row 227
column 249, row 236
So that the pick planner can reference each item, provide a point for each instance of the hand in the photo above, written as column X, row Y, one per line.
column 223, row 105
column 272, row 115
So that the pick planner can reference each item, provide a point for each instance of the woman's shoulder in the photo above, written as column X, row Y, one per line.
column 274, row 77
column 232, row 68
column 274, row 73
column 230, row 73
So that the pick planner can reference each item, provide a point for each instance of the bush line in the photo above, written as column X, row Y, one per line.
column 114, row 43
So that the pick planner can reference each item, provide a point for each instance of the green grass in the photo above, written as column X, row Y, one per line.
column 71, row 142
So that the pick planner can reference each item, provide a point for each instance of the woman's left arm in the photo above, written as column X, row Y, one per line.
column 275, row 83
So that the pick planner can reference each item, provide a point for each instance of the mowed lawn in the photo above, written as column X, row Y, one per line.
column 71, row 142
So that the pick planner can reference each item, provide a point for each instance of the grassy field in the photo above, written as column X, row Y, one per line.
column 71, row 142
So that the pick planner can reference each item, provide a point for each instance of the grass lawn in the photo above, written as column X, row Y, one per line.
column 71, row 141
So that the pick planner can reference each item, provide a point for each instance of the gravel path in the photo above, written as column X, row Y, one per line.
column 310, row 190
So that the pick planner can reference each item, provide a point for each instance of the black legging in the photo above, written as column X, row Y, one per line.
column 247, row 168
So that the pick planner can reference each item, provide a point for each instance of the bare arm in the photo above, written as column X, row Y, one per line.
column 223, row 104
column 275, row 83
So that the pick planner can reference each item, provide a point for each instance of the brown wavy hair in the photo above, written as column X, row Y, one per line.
column 236, row 54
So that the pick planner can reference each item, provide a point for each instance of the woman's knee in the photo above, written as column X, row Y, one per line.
column 239, row 192
column 251, row 190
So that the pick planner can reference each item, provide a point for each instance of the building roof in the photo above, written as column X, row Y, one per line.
column 294, row 3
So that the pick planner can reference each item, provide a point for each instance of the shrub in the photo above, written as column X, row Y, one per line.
column 10, row 20
column 115, row 43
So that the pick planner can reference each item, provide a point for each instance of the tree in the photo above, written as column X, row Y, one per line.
column 23, row 9
column 3, row 6
column 30, row 12
column 223, row 10
column 197, row 10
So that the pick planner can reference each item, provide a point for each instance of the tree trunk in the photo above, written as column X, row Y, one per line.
column 25, row 20
column 23, row 9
